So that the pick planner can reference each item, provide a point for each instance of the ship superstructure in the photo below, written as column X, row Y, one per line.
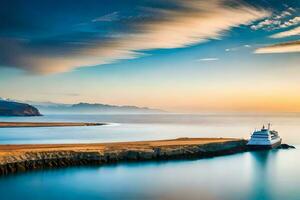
column 264, row 139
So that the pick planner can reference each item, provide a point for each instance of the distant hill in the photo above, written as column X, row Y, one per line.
column 87, row 108
column 11, row 108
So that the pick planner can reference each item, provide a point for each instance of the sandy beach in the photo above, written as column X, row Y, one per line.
column 45, row 124
column 16, row 149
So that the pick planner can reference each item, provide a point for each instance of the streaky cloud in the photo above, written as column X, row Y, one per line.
column 208, row 59
column 292, row 32
column 181, row 24
column 107, row 18
column 238, row 48
column 287, row 47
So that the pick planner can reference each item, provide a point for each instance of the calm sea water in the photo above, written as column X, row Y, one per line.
column 254, row 175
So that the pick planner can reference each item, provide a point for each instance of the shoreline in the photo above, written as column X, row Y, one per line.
column 20, row 158
column 46, row 124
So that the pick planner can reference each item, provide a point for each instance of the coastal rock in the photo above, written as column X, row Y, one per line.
column 9, row 108
column 286, row 146
column 112, row 153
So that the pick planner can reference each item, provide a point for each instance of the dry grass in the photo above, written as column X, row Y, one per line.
column 16, row 149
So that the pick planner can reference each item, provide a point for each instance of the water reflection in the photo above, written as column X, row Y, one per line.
column 262, row 166
column 261, row 175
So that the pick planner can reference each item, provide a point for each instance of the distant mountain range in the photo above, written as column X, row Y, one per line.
column 88, row 108
column 93, row 108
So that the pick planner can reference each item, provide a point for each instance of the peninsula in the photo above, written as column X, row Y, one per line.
column 11, row 108
column 46, row 124
column 18, row 158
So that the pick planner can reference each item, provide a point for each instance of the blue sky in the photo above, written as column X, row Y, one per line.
column 189, row 56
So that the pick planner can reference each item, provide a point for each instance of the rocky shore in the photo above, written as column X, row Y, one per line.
column 10, row 108
column 19, row 158
column 286, row 146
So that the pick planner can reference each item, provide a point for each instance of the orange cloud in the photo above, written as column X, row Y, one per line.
column 183, row 24
column 288, row 47
column 292, row 32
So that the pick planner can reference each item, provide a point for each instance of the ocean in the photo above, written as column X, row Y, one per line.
column 259, row 175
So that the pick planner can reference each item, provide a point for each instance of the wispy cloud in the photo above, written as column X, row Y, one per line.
column 207, row 59
column 267, row 24
column 107, row 18
column 238, row 47
column 278, row 21
column 284, row 13
column 292, row 32
column 181, row 24
column 291, row 22
column 287, row 47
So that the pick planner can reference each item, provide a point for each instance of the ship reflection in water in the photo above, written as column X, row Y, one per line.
column 261, row 163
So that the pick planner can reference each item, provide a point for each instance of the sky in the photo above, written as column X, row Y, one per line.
column 181, row 56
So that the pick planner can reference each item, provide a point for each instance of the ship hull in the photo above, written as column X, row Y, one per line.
column 263, row 147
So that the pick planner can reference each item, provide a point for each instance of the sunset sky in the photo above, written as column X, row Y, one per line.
column 177, row 55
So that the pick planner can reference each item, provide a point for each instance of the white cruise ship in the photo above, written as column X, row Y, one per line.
column 264, row 139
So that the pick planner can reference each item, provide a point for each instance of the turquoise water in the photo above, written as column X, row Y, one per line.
column 148, row 127
column 253, row 175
